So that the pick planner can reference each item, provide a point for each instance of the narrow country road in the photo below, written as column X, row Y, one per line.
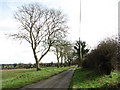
column 61, row 80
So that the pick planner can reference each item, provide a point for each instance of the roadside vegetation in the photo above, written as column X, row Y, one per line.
column 104, row 58
column 100, row 67
column 91, row 79
column 18, row 78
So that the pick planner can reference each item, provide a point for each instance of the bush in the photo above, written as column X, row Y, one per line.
column 104, row 58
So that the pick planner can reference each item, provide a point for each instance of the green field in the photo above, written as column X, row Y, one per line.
column 90, row 79
column 18, row 78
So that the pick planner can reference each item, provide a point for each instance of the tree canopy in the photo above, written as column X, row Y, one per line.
column 40, row 27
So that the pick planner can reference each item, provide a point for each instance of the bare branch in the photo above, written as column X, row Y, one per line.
column 40, row 27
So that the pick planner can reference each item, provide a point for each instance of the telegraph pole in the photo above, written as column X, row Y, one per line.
column 80, row 54
column 119, row 35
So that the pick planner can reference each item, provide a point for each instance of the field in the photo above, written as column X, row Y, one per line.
column 90, row 79
column 21, row 77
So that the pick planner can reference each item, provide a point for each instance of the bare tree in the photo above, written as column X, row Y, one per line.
column 62, row 49
column 57, row 53
column 68, row 52
column 40, row 27
column 57, row 50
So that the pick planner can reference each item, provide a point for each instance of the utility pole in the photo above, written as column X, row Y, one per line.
column 80, row 54
column 119, row 35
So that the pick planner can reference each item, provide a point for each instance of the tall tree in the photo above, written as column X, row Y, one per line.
column 39, row 26
column 67, row 51
column 83, row 52
column 57, row 51
column 63, row 50
column 58, row 48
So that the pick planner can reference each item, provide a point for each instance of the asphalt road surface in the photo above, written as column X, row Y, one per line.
column 61, row 80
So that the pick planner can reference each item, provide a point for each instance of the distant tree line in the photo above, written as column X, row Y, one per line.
column 17, row 66
column 28, row 66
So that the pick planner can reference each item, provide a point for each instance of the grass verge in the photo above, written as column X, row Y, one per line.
column 19, row 78
column 0, row 77
column 90, row 79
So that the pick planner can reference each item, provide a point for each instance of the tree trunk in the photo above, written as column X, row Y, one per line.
column 36, row 59
column 79, row 60
column 58, row 64
column 61, row 61
column 37, row 66
column 69, row 63
column 65, row 63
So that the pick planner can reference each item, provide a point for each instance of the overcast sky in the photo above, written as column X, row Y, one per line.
column 99, row 21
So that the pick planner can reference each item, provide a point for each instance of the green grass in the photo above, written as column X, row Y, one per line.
column 19, row 78
column 90, row 79
column 12, row 73
column 0, row 67
column 0, row 77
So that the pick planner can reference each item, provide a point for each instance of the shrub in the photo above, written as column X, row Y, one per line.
column 104, row 58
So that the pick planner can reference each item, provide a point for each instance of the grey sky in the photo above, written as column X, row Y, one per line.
column 99, row 20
